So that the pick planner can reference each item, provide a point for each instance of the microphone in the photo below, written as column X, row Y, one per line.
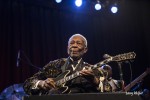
column 105, row 56
column 18, row 59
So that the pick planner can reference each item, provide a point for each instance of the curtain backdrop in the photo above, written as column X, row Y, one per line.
column 39, row 31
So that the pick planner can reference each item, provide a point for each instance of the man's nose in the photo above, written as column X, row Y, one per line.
column 75, row 45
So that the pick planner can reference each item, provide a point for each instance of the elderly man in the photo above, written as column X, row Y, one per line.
column 65, row 75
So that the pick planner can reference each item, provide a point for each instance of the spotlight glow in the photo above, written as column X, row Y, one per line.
column 58, row 1
column 114, row 9
column 78, row 3
column 98, row 6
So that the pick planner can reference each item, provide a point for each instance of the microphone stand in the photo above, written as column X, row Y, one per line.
column 120, row 70
column 27, row 61
column 121, row 74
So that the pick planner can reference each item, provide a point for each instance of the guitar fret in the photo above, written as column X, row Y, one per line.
column 67, row 78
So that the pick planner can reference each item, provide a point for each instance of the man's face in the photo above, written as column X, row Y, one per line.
column 76, row 47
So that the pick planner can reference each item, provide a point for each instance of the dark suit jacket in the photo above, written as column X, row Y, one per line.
column 54, row 69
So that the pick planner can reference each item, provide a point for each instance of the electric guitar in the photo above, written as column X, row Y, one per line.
column 138, row 79
column 63, row 78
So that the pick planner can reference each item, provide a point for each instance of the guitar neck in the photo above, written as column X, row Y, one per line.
column 68, row 78
column 129, row 86
column 76, row 74
column 120, row 57
column 102, row 63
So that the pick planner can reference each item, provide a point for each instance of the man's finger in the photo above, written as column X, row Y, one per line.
column 46, row 86
column 51, row 83
column 86, row 72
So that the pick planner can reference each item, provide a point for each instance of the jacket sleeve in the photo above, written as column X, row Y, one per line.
column 51, row 70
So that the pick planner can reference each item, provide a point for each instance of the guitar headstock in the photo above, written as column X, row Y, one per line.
column 125, row 56
column 120, row 57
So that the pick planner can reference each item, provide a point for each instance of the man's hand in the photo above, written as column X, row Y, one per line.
column 89, row 75
column 47, row 84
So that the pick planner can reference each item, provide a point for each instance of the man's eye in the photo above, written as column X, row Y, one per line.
column 79, row 43
column 71, row 42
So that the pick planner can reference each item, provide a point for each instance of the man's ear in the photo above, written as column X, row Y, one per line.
column 85, row 49
column 67, row 49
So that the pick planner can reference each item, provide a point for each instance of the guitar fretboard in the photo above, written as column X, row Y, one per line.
column 119, row 57
column 76, row 74
column 64, row 80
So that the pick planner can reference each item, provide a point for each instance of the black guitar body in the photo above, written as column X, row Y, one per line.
column 61, row 88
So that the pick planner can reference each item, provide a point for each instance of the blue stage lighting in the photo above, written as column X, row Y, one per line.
column 98, row 6
column 114, row 9
column 78, row 3
column 58, row 1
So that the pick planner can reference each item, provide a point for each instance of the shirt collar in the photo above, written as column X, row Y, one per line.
column 78, row 61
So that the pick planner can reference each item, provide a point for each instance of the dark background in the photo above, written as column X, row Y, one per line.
column 40, row 30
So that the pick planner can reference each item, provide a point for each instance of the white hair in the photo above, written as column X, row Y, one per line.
column 84, row 39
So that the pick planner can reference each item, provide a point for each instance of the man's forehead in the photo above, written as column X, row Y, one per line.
column 79, row 38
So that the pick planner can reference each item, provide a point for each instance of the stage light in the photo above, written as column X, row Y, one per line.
column 114, row 9
column 98, row 6
column 78, row 3
column 58, row 1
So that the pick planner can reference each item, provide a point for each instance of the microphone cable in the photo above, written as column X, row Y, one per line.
column 27, row 61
